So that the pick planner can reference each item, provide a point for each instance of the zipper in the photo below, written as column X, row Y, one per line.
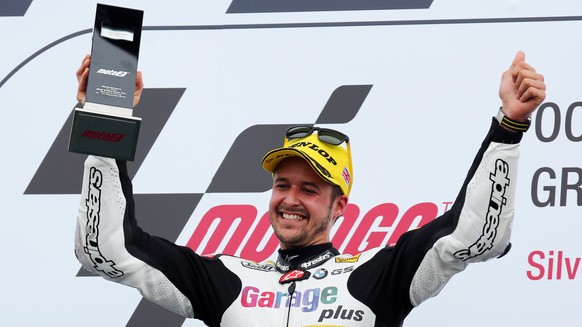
column 291, row 290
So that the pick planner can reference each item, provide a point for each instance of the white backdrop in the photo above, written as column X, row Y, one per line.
column 434, row 74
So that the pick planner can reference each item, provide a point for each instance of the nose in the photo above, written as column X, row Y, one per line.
column 292, row 196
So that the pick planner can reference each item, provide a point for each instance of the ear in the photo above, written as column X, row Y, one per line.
column 341, row 204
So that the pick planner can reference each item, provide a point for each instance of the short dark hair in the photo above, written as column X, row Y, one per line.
column 335, row 192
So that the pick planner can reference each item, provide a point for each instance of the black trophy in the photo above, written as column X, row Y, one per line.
column 105, row 126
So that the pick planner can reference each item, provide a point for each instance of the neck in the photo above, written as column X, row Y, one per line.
column 305, row 257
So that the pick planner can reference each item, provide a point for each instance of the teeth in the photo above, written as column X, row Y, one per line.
column 291, row 216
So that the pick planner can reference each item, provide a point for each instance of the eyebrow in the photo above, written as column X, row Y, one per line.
column 304, row 183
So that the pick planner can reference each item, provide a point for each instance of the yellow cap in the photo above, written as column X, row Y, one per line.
column 333, row 163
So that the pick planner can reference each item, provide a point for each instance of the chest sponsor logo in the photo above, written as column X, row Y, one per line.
column 308, row 300
column 282, row 267
column 294, row 275
column 341, row 313
column 320, row 273
column 352, row 259
column 315, row 261
column 257, row 266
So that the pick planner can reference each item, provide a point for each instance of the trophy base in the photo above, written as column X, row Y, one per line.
column 104, row 134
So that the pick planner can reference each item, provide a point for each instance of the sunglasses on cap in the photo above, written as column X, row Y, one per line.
column 326, row 135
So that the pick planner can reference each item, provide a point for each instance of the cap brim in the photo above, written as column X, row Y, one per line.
column 274, row 157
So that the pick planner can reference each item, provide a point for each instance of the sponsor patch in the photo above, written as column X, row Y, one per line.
column 352, row 259
column 258, row 266
column 294, row 275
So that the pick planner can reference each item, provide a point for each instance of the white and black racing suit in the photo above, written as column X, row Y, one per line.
column 320, row 287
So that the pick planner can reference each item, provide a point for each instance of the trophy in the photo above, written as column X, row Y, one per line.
column 105, row 126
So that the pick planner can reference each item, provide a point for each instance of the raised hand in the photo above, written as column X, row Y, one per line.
column 522, row 89
column 83, row 73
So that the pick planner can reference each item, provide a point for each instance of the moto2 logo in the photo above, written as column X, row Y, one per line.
column 103, row 136
column 112, row 72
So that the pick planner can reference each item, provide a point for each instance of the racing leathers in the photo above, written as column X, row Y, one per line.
column 315, row 286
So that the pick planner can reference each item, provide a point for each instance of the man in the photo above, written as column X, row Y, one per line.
column 311, row 284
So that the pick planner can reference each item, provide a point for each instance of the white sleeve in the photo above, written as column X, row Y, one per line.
column 483, row 226
column 102, row 241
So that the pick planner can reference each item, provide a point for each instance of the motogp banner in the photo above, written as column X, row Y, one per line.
column 413, row 83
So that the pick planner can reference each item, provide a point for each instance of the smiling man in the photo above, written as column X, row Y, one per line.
column 311, row 283
column 302, row 206
column 312, row 181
